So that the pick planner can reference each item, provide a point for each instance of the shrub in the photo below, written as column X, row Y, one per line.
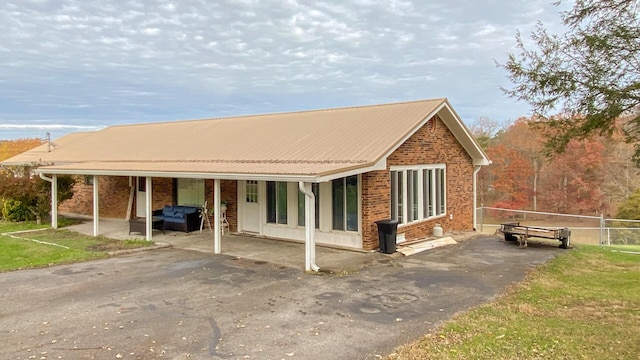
column 15, row 210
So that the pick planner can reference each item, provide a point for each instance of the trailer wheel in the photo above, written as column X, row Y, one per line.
column 565, row 243
column 510, row 237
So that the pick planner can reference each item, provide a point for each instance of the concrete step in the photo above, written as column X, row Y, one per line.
column 415, row 248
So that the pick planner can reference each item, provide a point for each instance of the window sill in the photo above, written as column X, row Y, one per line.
column 416, row 222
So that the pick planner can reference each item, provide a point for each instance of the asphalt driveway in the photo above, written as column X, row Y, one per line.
column 179, row 304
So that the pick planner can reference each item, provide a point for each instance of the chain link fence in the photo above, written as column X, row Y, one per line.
column 594, row 230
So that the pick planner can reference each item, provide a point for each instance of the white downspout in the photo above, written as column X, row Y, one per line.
column 309, row 226
column 216, row 217
column 96, row 206
column 54, row 198
column 475, row 195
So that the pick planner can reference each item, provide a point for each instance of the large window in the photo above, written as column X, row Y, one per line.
column 301, row 199
column 344, row 196
column 276, row 202
column 418, row 193
column 190, row 192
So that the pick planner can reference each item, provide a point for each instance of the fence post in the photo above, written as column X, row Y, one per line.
column 601, row 229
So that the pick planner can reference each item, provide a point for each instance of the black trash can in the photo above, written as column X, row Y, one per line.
column 387, row 230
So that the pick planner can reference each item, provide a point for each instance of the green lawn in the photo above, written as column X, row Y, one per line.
column 582, row 305
column 39, row 248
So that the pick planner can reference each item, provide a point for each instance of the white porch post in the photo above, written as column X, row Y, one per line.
column 96, row 207
column 149, row 212
column 54, row 201
column 216, row 216
column 309, row 226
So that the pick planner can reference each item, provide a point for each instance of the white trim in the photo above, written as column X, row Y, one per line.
column 315, row 178
column 463, row 135
column 406, row 172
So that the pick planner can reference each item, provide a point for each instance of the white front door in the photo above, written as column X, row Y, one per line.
column 251, row 207
column 141, row 200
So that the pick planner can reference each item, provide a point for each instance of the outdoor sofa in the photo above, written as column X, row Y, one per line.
column 179, row 218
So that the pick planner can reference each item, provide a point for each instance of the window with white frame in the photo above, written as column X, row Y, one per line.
column 344, row 203
column 251, row 189
column 417, row 192
column 277, row 202
column 315, row 188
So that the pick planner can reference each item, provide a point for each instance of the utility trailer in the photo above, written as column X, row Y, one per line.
column 514, row 231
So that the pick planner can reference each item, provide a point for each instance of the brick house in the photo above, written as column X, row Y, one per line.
column 321, row 176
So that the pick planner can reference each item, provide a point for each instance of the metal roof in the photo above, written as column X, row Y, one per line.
column 308, row 144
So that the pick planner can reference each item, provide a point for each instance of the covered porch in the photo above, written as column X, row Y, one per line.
column 277, row 252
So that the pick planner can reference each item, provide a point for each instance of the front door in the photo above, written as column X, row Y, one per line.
column 141, row 200
column 251, row 207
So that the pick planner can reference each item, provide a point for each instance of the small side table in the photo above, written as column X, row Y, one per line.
column 139, row 225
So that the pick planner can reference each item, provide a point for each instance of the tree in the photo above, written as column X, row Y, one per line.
column 630, row 208
column 590, row 75
column 33, row 193
column 572, row 182
column 511, row 188
column 484, row 130
column 10, row 148
column 522, row 138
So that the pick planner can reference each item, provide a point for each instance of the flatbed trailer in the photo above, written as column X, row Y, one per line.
column 514, row 231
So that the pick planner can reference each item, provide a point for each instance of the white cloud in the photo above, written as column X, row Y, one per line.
column 92, row 59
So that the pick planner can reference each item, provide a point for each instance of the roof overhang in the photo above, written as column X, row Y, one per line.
column 96, row 170
column 457, row 128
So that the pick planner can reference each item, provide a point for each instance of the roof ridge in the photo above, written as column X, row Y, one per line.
column 280, row 113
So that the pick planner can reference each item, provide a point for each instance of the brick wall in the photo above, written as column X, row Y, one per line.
column 229, row 193
column 113, row 197
column 424, row 147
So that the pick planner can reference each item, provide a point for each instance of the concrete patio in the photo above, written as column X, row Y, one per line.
column 266, row 250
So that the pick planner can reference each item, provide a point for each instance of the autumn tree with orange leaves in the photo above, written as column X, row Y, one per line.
column 23, row 197
column 578, row 181
column 10, row 148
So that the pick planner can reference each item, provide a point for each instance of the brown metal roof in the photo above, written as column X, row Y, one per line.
column 311, row 143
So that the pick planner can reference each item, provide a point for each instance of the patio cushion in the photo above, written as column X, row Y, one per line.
column 178, row 214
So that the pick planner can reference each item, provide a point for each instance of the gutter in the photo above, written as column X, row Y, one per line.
column 54, row 198
column 44, row 177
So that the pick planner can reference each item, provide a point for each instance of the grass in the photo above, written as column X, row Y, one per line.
column 582, row 305
column 16, row 254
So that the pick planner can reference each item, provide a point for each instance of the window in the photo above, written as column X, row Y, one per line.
column 418, row 193
column 315, row 188
column 252, row 191
column 190, row 192
column 344, row 196
column 276, row 202
column 396, row 196
column 88, row 179
column 142, row 184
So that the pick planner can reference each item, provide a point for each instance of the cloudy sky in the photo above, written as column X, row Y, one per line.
column 79, row 65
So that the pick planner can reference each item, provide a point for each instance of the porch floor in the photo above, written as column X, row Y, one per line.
column 273, row 251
